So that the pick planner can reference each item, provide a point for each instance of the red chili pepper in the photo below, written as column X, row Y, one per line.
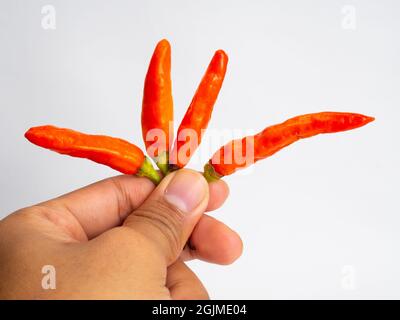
column 113, row 152
column 274, row 138
column 157, row 113
column 157, row 106
column 199, row 112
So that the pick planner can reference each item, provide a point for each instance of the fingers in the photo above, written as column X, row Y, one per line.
column 214, row 242
column 183, row 284
column 168, row 216
column 219, row 191
column 104, row 204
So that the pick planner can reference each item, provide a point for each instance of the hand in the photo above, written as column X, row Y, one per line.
column 120, row 238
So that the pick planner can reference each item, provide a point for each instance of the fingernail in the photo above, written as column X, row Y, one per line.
column 186, row 190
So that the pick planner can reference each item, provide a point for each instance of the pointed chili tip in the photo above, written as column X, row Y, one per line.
column 219, row 61
column 30, row 133
column 221, row 54
column 35, row 132
column 27, row 133
column 163, row 43
column 349, row 121
column 361, row 120
column 368, row 119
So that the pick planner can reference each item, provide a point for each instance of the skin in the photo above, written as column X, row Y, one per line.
column 112, row 240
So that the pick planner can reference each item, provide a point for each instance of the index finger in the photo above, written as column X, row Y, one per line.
column 104, row 204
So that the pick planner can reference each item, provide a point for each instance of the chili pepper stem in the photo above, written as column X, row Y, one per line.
column 147, row 170
column 210, row 174
column 162, row 162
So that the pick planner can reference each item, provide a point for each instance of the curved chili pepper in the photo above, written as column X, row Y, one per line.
column 113, row 152
column 274, row 138
column 199, row 112
column 157, row 105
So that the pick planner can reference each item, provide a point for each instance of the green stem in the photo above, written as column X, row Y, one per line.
column 147, row 170
column 210, row 174
column 162, row 162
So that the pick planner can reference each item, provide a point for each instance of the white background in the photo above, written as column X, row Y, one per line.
column 320, row 219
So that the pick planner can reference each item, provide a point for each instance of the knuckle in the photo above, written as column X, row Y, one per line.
column 166, row 220
column 122, row 198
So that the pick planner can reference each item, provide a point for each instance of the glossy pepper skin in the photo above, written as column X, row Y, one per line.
column 276, row 137
column 200, row 109
column 157, row 104
column 113, row 152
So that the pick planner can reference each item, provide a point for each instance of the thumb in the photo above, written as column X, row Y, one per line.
column 169, row 215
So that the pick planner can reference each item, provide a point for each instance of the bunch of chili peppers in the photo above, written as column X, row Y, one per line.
column 157, row 119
